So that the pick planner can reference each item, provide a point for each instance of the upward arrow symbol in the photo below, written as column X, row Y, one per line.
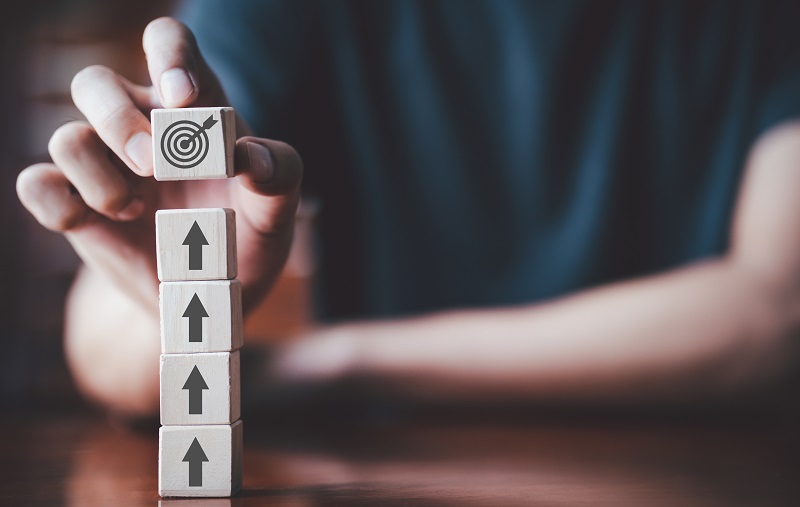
column 195, row 241
column 195, row 456
column 195, row 384
column 195, row 312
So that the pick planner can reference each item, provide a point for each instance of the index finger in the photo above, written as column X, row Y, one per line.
column 107, row 101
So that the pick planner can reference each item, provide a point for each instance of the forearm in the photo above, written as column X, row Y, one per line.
column 112, row 345
column 699, row 330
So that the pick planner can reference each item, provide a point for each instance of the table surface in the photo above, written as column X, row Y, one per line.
column 89, row 461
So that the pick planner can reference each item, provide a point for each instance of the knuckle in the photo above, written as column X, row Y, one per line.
column 63, row 220
column 110, row 200
column 70, row 140
column 118, row 117
column 88, row 76
column 38, row 192
column 291, row 156
column 247, row 139
column 29, row 183
column 284, row 148
column 166, row 25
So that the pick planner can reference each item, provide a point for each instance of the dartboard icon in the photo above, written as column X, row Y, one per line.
column 184, row 143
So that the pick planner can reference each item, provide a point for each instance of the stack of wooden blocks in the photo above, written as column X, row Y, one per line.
column 200, row 440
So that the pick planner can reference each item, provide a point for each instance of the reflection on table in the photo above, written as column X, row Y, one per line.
column 86, row 462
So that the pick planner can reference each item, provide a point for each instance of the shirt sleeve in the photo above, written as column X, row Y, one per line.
column 257, row 50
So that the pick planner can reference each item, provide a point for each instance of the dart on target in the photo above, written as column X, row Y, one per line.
column 193, row 143
column 184, row 143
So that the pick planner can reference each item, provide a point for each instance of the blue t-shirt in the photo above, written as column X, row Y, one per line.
column 490, row 153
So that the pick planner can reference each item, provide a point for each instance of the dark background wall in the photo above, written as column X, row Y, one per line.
column 42, row 45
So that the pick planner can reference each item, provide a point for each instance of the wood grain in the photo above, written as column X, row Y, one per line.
column 220, row 402
column 218, row 159
column 220, row 331
column 221, row 474
column 219, row 256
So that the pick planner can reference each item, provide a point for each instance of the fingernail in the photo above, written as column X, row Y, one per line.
column 175, row 86
column 140, row 150
column 132, row 211
column 261, row 165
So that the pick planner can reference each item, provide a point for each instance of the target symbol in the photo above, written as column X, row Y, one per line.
column 184, row 143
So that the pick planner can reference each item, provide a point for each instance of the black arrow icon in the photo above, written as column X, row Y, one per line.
column 195, row 241
column 195, row 456
column 195, row 384
column 195, row 312
column 210, row 121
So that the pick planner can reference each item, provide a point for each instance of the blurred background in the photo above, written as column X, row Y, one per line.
column 44, row 44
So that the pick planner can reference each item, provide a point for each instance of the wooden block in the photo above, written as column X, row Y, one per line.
column 200, row 460
column 196, row 244
column 200, row 388
column 200, row 316
column 193, row 143
column 201, row 502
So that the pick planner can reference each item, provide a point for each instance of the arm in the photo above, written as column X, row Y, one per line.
column 705, row 329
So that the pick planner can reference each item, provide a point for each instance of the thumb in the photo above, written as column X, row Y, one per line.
column 269, row 173
column 178, row 71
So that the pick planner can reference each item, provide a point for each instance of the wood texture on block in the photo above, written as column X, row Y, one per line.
column 201, row 502
column 178, row 244
column 207, row 384
column 182, row 306
column 183, row 149
column 221, row 473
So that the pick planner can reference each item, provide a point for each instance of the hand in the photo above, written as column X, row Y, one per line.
column 99, row 189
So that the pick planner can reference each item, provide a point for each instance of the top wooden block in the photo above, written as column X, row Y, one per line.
column 193, row 143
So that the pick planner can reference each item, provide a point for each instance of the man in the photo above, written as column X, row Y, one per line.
column 573, row 201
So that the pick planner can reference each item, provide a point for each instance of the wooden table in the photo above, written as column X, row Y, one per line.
column 86, row 460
